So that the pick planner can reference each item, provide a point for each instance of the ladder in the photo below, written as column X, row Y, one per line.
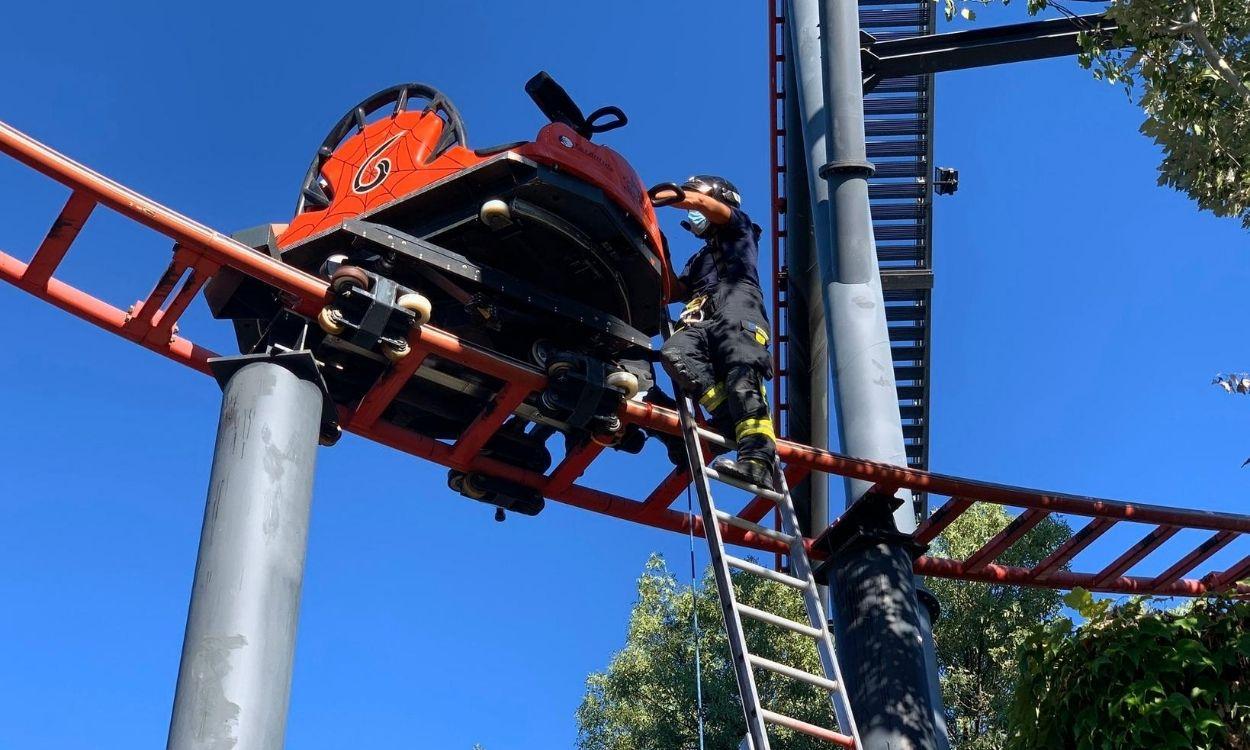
column 758, row 717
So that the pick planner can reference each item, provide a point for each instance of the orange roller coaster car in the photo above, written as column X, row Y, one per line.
column 545, row 251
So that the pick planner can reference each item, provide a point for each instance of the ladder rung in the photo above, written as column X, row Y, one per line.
column 781, row 622
column 762, row 572
column 708, row 436
column 809, row 729
column 746, row 525
column 792, row 672
column 776, row 497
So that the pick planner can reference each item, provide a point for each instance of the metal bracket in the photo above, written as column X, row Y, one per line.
column 869, row 521
column 980, row 47
column 853, row 167
column 303, row 365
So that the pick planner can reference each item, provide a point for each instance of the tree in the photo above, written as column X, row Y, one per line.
column 982, row 625
column 646, row 698
column 1133, row 676
column 1187, row 64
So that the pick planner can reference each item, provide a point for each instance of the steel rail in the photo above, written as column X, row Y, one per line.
column 198, row 252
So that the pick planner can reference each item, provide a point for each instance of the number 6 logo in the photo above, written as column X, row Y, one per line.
column 380, row 169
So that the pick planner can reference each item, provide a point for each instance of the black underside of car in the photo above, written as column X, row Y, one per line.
column 553, row 273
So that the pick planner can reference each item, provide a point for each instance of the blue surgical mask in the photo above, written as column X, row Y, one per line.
column 698, row 222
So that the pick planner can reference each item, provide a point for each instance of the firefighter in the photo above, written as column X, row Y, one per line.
column 719, row 351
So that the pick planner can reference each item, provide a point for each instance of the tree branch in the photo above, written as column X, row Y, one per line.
column 1217, row 62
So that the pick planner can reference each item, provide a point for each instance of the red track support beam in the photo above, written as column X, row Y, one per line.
column 666, row 492
column 939, row 519
column 1021, row 525
column 308, row 291
column 142, row 314
column 386, row 389
column 104, row 315
column 485, row 424
column 572, row 467
column 164, row 323
column 1218, row 541
column 1237, row 572
column 654, row 417
column 1062, row 579
column 1134, row 554
column 56, row 244
column 1071, row 548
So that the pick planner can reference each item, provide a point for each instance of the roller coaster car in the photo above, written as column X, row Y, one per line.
column 545, row 250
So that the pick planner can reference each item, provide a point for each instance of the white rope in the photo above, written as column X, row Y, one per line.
column 694, row 607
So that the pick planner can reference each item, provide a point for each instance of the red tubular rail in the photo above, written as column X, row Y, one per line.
column 1022, row 525
column 1072, row 547
column 200, row 252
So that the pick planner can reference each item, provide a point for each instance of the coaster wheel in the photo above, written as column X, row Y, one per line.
column 331, row 321
column 419, row 305
column 349, row 277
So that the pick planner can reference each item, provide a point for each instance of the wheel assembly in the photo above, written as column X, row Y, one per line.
column 347, row 278
column 418, row 304
column 495, row 214
column 396, row 352
column 624, row 381
column 330, row 321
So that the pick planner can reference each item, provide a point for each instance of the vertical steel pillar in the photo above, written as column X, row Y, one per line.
column 876, row 609
column 867, row 399
column 234, row 680
column 807, row 356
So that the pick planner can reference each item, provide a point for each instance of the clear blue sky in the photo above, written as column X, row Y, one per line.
column 1080, row 313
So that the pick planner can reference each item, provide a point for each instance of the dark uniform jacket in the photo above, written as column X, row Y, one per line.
column 731, row 253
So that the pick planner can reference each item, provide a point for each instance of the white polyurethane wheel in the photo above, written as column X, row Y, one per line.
column 419, row 305
column 625, row 381
column 396, row 353
column 495, row 214
column 329, row 321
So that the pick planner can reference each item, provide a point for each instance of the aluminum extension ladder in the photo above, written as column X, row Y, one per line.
column 758, row 717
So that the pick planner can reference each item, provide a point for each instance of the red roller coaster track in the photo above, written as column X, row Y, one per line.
column 200, row 252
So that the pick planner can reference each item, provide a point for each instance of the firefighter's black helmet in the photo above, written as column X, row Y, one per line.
column 714, row 187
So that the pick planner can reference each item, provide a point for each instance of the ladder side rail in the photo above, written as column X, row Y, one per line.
column 801, row 568
column 747, row 690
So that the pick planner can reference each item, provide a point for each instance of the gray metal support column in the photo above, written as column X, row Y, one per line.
column 866, row 400
column 824, row 37
column 234, row 680
column 807, row 354
column 868, row 414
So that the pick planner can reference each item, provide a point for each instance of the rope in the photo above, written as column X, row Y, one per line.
column 694, row 607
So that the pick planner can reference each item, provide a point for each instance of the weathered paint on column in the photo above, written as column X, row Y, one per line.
column 234, row 681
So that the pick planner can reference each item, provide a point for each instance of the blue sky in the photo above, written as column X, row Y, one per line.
column 1080, row 312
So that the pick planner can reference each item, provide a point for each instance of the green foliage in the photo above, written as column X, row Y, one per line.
column 645, row 699
column 983, row 625
column 1187, row 64
column 1135, row 677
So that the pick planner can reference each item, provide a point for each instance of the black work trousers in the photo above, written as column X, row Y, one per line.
column 719, row 356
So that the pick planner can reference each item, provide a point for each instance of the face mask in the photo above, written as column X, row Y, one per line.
column 698, row 223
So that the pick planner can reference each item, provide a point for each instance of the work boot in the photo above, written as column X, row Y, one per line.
column 749, row 470
column 723, row 425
